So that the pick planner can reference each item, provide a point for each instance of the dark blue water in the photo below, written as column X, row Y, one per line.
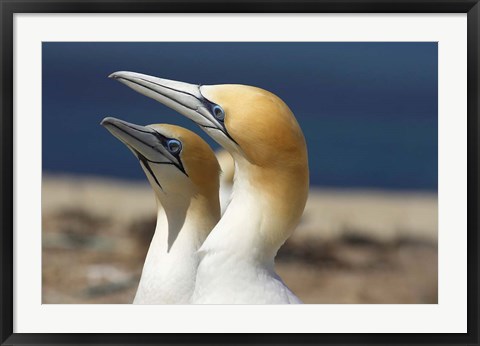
column 368, row 110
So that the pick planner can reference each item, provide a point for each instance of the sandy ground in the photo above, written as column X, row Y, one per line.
column 351, row 246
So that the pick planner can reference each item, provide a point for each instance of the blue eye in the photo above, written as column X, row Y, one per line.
column 218, row 112
column 174, row 146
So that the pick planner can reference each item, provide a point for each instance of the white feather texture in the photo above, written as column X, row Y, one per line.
column 234, row 268
column 169, row 271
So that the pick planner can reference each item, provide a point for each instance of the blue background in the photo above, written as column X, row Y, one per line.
column 368, row 110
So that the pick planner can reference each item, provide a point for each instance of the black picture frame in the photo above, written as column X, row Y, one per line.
column 10, row 7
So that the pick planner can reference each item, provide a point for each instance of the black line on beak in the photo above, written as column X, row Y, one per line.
column 204, row 101
column 169, row 88
column 207, row 103
column 156, row 91
column 146, row 161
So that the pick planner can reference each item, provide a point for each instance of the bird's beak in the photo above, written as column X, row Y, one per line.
column 184, row 98
column 144, row 141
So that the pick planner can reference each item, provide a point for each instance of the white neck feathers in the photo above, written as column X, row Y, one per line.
column 259, row 218
column 168, row 275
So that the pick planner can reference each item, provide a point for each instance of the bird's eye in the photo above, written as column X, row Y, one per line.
column 218, row 112
column 174, row 146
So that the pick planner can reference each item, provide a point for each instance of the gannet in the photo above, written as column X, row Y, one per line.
column 269, row 193
column 227, row 166
column 184, row 174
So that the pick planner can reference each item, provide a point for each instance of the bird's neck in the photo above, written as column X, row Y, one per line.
column 169, row 271
column 265, row 208
column 183, row 221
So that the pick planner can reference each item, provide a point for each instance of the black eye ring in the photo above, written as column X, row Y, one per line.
column 219, row 112
column 174, row 146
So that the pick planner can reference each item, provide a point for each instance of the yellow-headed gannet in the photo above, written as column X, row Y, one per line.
column 270, row 188
column 184, row 174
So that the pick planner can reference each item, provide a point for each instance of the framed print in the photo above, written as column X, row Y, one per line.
column 239, row 173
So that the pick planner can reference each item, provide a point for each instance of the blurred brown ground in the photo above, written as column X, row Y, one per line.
column 351, row 246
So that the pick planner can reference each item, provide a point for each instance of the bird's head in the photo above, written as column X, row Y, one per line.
column 246, row 120
column 254, row 125
column 180, row 166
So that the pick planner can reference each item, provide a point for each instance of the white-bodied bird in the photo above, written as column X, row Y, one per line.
column 270, row 189
column 184, row 174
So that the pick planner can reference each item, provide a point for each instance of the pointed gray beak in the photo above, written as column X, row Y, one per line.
column 182, row 97
column 144, row 141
